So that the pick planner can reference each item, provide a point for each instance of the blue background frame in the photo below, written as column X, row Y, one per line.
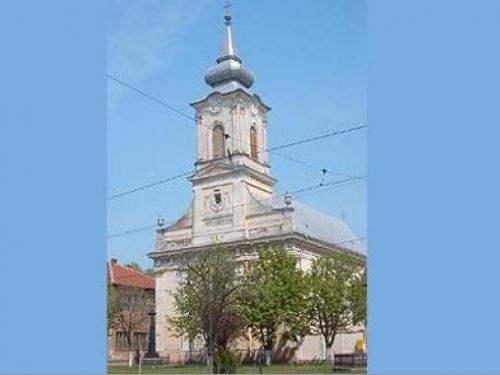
column 53, row 160
column 433, row 189
column 433, row 110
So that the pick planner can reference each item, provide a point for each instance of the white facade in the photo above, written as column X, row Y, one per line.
column 234, row 202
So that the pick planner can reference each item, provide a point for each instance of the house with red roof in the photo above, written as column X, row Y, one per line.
column 125, row 283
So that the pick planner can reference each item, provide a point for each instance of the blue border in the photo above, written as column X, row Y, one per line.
column 433, row 98
column 52, row 146
column 434, row 187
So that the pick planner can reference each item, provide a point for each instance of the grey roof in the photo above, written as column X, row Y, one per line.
column 321, row 226
column 315, row 224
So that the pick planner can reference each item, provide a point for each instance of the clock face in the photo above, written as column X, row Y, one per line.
column 215, row 103
column 253, row 110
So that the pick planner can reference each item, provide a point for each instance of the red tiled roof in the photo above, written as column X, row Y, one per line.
column 120, row 275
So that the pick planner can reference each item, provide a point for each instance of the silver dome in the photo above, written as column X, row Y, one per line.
column 229, row 69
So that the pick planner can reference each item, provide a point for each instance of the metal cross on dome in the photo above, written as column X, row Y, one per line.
column 227, row 6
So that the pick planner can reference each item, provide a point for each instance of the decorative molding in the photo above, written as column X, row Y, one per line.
column 218, row 221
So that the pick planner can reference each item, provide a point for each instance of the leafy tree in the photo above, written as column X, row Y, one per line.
column 332, row 282
column 359, row 299
column 274, row 297
column 132, row 313
column 137, row 267
column 113, row 306
column 208, row 302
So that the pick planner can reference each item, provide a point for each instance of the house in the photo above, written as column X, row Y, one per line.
column 134, row 293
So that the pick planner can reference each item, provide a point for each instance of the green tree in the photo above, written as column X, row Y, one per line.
column 132, row 313
column 332, row 283
column 137, row 267
column 113, row 306
column 274, row 297
column 208, row 302
column 359, row 302
column 359, row 299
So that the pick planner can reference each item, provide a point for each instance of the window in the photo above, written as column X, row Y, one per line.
column 217, row 197
column 218, row 144
column 253, row 143
column 139, row 340
column 121, row 341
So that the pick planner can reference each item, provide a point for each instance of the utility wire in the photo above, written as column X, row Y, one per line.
column 332, row 185
column 163, row 104
column 271, row 149
column 150, row 97
column 323, row 170
column 130, row 231
column 148, row 186
column 308, row 165
column 348, row 183
column 307, row 140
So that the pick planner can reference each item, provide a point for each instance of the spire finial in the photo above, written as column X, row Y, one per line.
column 228, row 10
column 228, row 73
column 228, row 49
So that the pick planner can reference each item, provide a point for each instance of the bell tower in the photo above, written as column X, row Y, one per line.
column 231, row 153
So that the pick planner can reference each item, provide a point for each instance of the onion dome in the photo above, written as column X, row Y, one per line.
column 228, row 73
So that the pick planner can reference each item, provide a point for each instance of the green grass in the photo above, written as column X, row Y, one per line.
column 273, row 369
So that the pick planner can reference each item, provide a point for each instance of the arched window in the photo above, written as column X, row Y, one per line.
column 218, row 144
column 253, row 143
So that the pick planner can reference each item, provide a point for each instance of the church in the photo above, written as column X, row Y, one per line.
column 234, row 202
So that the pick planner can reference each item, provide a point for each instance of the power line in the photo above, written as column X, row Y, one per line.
column 350, row 180
column 131, row 231
column 148, row 186
column 348, row 183
column 323, row 170
column 271, row 150
column 150, row 97
column 307, row 140
column 332, row 185
column 311, row 166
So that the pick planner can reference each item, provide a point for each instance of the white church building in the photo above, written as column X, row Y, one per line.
column 234, row 202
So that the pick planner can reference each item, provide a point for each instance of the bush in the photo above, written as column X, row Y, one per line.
column 225, row 362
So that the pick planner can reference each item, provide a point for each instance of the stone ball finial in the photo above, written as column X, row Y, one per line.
column 160, row 222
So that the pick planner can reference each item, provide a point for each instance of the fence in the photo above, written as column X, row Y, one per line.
column 350, row 360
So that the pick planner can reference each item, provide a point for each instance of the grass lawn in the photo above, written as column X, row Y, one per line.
column 273, row 369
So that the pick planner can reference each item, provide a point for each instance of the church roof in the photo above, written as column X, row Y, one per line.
column 317, row 225
column 321, row 226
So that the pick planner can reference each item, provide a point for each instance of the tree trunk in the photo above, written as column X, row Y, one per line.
column 210, row 359
column 130, row 358
column 329, row 355
column 267, row 357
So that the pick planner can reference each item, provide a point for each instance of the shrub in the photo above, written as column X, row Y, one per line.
column 225, row 362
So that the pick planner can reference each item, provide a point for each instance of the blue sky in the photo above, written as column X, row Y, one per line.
column 309, row 61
